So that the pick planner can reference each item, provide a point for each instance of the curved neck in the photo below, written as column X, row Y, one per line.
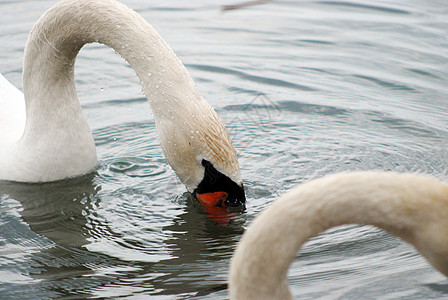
column 56, row 130
column 409, row 206
column 58, row 36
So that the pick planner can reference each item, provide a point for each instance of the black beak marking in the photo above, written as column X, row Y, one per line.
column 215, row 181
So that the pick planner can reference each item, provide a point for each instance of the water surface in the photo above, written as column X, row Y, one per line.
column 306, row 88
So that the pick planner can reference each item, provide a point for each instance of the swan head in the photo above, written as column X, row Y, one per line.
column 200, row 151
column 217, row 188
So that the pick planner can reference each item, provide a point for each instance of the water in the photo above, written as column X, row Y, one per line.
column 306, row 88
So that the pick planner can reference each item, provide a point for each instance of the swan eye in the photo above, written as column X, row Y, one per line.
column 218, row 183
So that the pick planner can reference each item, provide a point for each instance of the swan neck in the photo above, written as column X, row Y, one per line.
column 387, row 200
column 53, row 109
column 56, row 129
column 61, row 32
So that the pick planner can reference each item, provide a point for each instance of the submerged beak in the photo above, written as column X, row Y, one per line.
column 213, row 199
column 216, row 207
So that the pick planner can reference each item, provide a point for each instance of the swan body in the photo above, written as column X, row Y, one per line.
column 56, row 142
column 12, row 112
column 410, row 206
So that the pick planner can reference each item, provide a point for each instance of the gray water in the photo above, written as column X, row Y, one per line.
column 306, row 88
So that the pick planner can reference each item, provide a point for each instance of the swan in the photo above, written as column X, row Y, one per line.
column 44, row 135
column 411, row 206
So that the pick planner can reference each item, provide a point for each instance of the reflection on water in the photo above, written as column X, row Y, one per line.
column 62, row 215
column 65, row 215
column 58, row 211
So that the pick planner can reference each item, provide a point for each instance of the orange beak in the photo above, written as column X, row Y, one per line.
column 212, row 199
column 216, row 209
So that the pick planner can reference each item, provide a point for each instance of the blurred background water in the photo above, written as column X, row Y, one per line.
column 306, row 88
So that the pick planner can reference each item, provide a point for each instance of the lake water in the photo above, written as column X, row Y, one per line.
column 306, row 88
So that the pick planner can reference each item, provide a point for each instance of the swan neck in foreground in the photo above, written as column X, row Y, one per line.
column 413, row 207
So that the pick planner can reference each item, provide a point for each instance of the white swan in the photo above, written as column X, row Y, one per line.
column 55, row 141
column 412, row 207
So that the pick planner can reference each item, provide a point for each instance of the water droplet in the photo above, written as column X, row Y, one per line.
column 149, row 74
column 102, row 89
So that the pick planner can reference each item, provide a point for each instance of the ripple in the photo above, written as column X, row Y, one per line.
column 366, row 7
column 386, row 84
column 135, row 167
column 246, row 76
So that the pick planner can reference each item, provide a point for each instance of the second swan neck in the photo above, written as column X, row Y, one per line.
column 413, row 207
